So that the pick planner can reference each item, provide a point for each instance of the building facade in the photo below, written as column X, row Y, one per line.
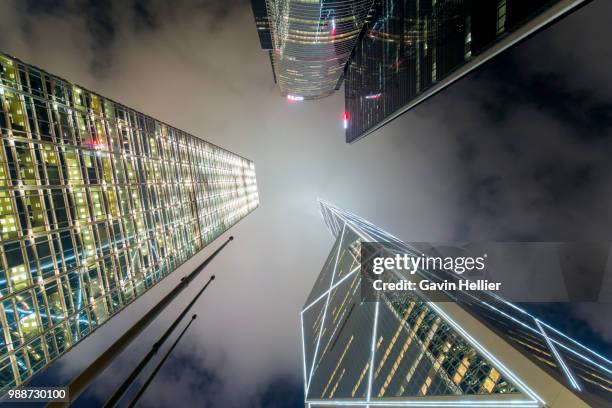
column 390, row 54
column 98, row 203
column 411, row 49
column 311, row 41
column 264, row 29
column 474, row 350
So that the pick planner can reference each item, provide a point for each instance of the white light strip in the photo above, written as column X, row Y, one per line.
column 414, row 403
column 303, row 352
column 355, row 269
column 559, row 359
column 373, row 349
column 582, row 356
column 314, row 358
column 358, row 231
column 510, row 317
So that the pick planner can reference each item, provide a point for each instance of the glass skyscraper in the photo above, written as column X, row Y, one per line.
column 98, row 203
column 411, row 49
column 476, row 349
column 311, row 42
column 390, row 54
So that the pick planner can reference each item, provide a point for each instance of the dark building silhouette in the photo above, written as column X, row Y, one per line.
column 411, row 49
column 389, row 54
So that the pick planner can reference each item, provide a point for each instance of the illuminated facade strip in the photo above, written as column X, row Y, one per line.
column 314, row 358
column 303, row 351
column 435, row 44
column 417, row 403
column 335, row 285
column 373, row 350
column 559, row 359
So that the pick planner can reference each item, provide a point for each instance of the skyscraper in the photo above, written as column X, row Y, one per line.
column 478, row 350
column 311, row 42
column 391, row 54
column 412, row 49
column 98, row 203
column 264, row 29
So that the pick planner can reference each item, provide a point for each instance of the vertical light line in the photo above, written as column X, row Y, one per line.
column 314, row 358
column 303, row 353
column 558, row 357
column 345, row 277
column 373, row 348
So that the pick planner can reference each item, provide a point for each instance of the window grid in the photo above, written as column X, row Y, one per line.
column 98, row 203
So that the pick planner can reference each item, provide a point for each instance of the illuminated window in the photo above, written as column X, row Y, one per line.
column 101, row 206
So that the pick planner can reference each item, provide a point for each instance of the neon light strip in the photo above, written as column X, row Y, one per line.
column 355, row 228
column 510, row 317
column 373, row 349
column 538, row 332
column 303, row 351
column 564, row 367
column 332, row 288
column 414, row 403
column 343, row 214
column 314, row 358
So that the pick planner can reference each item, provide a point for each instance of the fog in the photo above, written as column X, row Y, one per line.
column 517, row 151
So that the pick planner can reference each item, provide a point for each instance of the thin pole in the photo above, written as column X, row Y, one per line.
column 114, row 399
column 82, row 381
column 159, row 366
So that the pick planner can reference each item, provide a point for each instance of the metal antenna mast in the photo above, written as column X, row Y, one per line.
column 114, row 399
column 144, row 387
column 82, row 381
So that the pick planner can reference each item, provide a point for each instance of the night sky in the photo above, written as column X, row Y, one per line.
column 518, row 150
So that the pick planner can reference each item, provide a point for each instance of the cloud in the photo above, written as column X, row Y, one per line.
column 212, row 80
column 510, row 157
column 534, row 151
